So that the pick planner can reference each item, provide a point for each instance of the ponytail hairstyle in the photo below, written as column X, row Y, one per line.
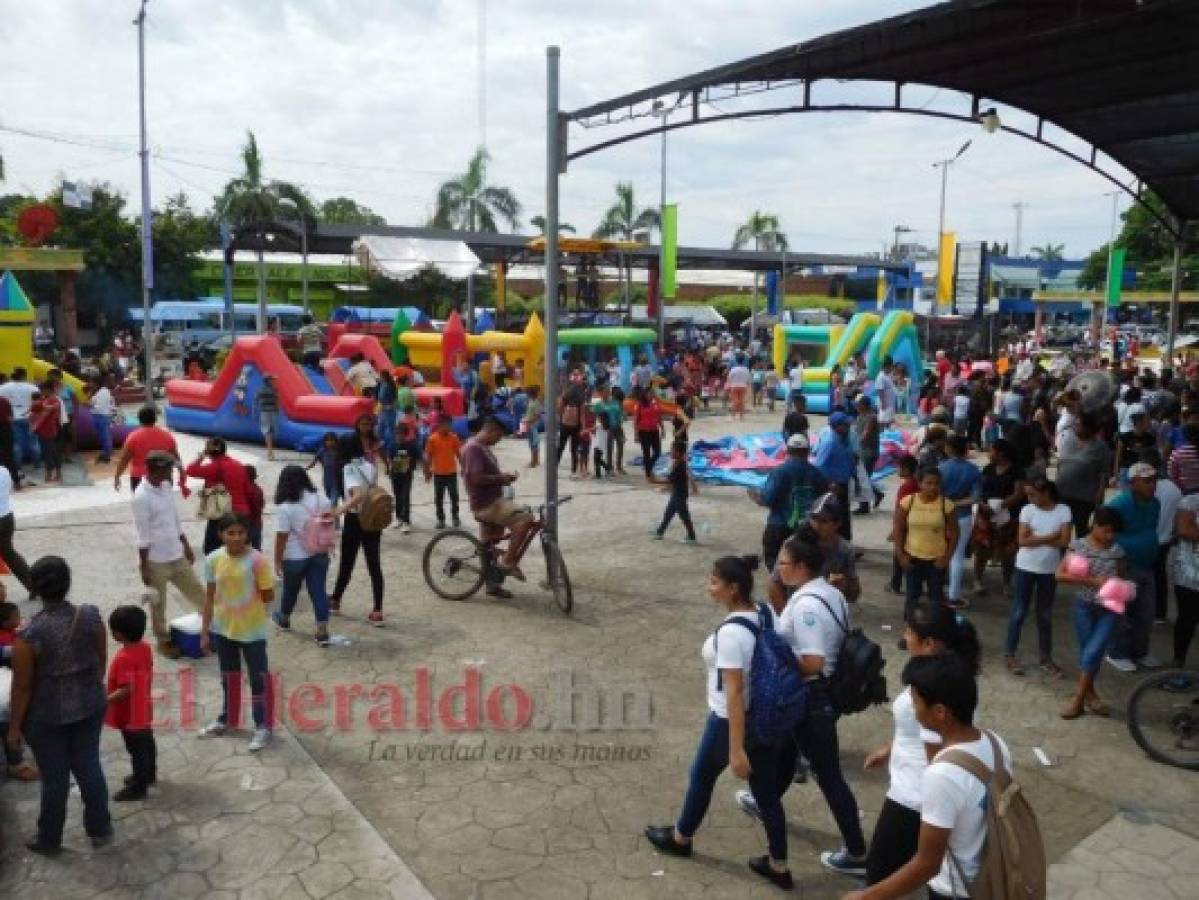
column 936, row 621
column 804, row 553
column 737, row 571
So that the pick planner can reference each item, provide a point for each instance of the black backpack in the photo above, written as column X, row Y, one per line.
column 857, row 681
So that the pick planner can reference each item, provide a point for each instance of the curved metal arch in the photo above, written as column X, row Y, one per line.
column 1135, row 191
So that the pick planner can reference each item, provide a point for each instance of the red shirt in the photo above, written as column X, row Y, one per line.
column 649, row 418
column 45, row 414
column 142, row 441
column 231, row 474
column 7, row 637
column 907, row 486
column 134, row 666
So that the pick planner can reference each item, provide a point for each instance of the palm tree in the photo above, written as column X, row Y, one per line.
column 248, row 202
column 538, row 222
column 467, row 203
column 623, row 222
column 763, row 230
column 1049, row 252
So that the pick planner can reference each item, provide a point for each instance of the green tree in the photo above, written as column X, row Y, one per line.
column 251, row 203
column 762, row 230
column 180, row 235
column 1050, row 252
column 622, row 221
column 538, row 222
column 344, row 211
column 468, row 203
column 1150, row 247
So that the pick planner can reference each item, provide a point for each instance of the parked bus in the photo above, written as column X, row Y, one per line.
column 188, row 322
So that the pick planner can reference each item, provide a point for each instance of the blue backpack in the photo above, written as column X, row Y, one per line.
column 777, row 692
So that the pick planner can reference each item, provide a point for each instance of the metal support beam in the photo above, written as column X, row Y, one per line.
column 1175, row 287
column 553, row 165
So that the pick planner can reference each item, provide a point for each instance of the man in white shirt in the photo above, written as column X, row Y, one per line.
column 104, row 407
column 1169, row 495
column 20, row 393
column 14, row 560
column 164, row 554
column 361, row 375
column 885, row 393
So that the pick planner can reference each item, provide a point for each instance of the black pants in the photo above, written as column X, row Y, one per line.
column 353, row 537
column 401, row 486
column 896, row 573
column 1184, row 625
column 569, row 434
column 893, row 843
column 134, row 481
column 773, row 538
column 14, row 560
column 442, row 485
column 841, row 489
column 1080, row 512
column 212, row 536
column 651, row 449
column 599, row 463
column 312, row 360
column 143, row 754
column 1161, row 585
column 616, row 443
column 677, row 504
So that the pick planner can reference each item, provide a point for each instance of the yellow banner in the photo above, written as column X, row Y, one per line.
column 947, row 258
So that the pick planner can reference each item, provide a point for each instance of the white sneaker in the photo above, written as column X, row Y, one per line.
column 1120, row 664
column 262, row 737
column 213, row 729
column 1149, row 661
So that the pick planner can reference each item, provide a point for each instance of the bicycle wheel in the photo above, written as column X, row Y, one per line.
column 557, row 580
column 1163, row 717
column 454, row 563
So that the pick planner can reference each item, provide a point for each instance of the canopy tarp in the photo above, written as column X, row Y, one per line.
column 400, row 258
column 699, row 316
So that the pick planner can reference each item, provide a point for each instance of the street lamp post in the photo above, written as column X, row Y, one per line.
column 943, row 165
column 661, row 312
column 147, row 216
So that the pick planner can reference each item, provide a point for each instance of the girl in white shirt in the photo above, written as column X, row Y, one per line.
column 358, row 475
column 296, row 501
column 931, row 628
column 728, row 656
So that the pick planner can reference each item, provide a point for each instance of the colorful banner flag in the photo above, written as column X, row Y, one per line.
column 670, row 249
column 772, row 293
column 501, row 286
column 946, row 263
column 1115, row 276
column 880, row 289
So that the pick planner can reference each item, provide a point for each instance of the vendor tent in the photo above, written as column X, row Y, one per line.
column 400, row 258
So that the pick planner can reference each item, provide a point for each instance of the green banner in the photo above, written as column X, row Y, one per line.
column 670, row 249
column 1115, row 276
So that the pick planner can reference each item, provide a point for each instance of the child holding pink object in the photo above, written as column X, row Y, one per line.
column 1094, row 619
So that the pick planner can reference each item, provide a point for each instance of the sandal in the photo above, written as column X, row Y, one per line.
column 1051, row 669
column 24, row 772
column 1097, row 707
column 1013, row 665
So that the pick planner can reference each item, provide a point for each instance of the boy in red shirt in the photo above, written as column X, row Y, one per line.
column 129, row 705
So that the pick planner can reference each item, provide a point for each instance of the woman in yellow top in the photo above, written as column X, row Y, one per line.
column 926, row 531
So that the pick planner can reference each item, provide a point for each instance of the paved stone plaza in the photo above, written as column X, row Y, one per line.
column 347, row 804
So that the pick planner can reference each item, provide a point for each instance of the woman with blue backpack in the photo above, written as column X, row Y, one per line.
column 728, row 738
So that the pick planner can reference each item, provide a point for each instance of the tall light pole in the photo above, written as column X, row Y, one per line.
column 554, row 158
column 660, row 109
column 943, row 165
column 147, row 221
column 1019, row 208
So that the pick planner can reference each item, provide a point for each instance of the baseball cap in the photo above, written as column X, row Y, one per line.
column 798, row 442
column 159, row 459
column 1142, row 470
column 838, row 418
column 826, row 507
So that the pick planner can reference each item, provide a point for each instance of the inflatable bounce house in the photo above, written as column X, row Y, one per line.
column 592, row 345
column 895, row 335
column 16, row 351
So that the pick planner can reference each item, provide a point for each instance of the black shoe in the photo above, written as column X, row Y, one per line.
column 440, row 525
column 863, row 509
column 36, row 846
column 131, row 780
column 902, row 643
column 761, row 866
column 662, row 837
column 457, row 522
column 130, row 792
column 498, row 592
column 801, row 771
column 878, row 498
column 102, row 840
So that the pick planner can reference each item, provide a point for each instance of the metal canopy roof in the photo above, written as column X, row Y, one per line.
column 1122, row 75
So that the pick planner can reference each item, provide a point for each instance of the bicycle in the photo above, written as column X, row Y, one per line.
column 1163, row 717
column 456, row 563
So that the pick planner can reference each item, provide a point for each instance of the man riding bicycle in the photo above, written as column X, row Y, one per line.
column 485, row 492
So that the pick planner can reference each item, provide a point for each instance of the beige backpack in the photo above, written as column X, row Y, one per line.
column 1013, row 858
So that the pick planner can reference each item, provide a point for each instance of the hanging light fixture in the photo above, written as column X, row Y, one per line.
column 989, row 120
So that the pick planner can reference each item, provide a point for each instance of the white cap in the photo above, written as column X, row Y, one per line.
column 798, row 442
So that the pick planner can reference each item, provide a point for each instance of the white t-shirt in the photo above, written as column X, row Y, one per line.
column 290, row 519
column 908, row 759
column 19, row 395
column 1169, row 495
column 796, row 377
column 884, row 390
column 736, row 651
column 952, row 798
column 808, row 627
column 1043, row 522
column 961, row 406
column 5, row 492
column 103, row 403
column 739, row 376
column 358, row 474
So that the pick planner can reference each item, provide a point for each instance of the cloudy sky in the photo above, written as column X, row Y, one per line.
column 379, row 101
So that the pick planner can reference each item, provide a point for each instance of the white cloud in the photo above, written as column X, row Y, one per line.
column 378, row 101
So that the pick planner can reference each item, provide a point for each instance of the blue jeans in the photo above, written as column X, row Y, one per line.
column 1094, row 626
column 817, row 740
column 1132, row 632
column 104, row 434
column 712, row 758
column 24, row 445
column 229, row 656
column 1024, row 586
column 311, row 573
column 62, row 751
column 957, row 562
column 386, row 429
column 677, row 505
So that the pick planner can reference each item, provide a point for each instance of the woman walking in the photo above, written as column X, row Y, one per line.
column 960, row 481
column 358, row 476
column 647, row 419
column 995, row 526
column 299, row 557
column 728, row 654
column 1045, row 530
column 926, row 531
column 570, row 422
column 932, row 628
column 58, row 703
